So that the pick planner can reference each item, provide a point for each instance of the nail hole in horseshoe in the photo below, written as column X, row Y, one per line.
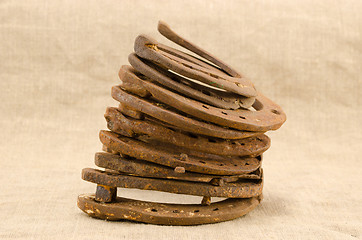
column 215, row 209
column 154, row 210
column 197, row 211
column 211, row 140
column 242, row 117
column 242, row 144
column 202, row 162
column 204, row 106
column 246, row 164
column 221, row 164
column 224, row 113
column 275, row 112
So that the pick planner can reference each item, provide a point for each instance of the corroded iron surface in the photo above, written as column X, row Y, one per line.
column 126, row 110
column 141, row 168
column 185, row 124
column 244, row 188
column 268, row 115
column 179, row 84
column 168, row 157
column 166, row 213
column 168, row 115
column 149, row 130
column 105, row 193
column 191, row 67
column 167, row 32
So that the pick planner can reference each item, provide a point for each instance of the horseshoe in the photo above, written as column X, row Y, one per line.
column 119, row 123
column 214, row 97
column 166, row 213
column 268, row 115
column 168, row 157
column 167, row 32
column 191, row 67
column 240, row 189
column 141, row 168
column 159, row 111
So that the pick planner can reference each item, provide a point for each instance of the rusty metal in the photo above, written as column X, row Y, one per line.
column 166, row 213
column 268, row 115
column 135, row 167
column 185, row 125
column 130, row 83
column 244, row 188
column 177, row 83
column 182, row 121
column 191, row 67
column 167, row 32
column 108, row 150
column 105, row 193
column 130, row 112
column 150, row 130
column 168, row 157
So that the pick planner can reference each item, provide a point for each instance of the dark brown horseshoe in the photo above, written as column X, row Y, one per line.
column 168, row 157
column 130, row 127
column 188, row 66
column 180, row 150
column 167, row 32
column 214, row 97
column 141, row 168
column 240, row 189
column 268, row 115
column 185, row 123
column 166, row 213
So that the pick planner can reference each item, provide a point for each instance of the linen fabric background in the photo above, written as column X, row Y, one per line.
column 59, row 60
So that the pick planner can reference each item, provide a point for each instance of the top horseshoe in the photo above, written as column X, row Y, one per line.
column 222, row 77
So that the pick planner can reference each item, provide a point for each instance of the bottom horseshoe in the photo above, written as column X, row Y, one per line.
column 166, row 213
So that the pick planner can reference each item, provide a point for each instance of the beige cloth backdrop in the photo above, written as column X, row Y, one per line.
column 59, row 60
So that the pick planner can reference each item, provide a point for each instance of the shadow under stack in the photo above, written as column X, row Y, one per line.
column 184, row 125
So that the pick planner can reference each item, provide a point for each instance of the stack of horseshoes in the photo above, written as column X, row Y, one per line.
column 185, row 125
